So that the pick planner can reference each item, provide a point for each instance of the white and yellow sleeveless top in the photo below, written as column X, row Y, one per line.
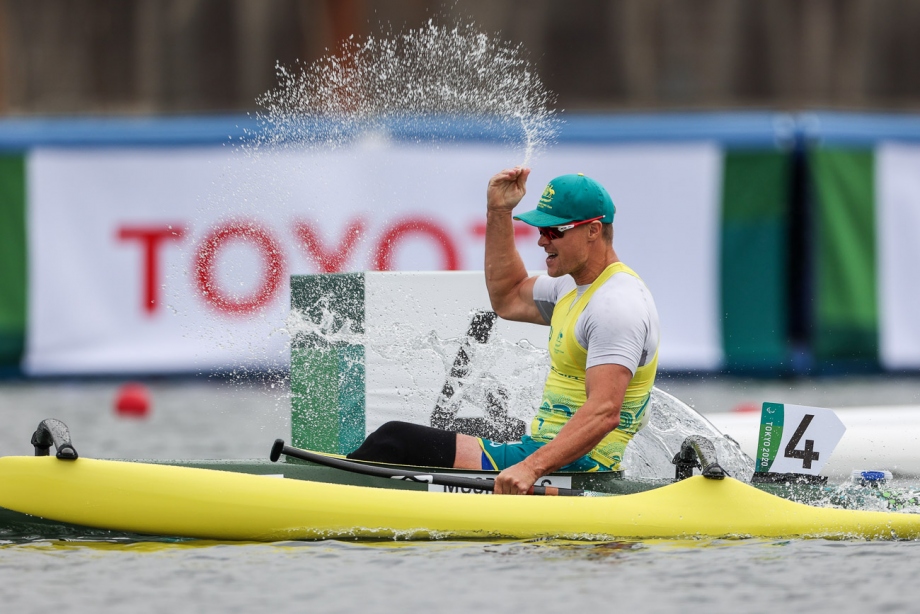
column 611, row 321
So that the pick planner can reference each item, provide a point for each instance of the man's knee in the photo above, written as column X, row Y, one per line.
column 469, row 453
column 404, row 443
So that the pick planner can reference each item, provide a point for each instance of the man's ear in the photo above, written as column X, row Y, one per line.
column 594, row 231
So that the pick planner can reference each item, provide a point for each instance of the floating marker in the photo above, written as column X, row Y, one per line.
column 133, row 401
column 744, row 408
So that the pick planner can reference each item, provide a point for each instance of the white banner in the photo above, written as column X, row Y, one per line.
column 897, row 181
column 162, row 260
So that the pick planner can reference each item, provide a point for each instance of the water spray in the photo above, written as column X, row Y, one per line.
column 426, row 85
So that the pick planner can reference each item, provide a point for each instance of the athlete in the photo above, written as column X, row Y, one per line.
column 603, row 342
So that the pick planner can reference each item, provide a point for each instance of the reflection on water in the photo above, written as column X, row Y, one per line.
column 541, row 576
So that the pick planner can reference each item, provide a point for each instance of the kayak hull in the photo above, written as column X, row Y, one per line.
column 200, row 503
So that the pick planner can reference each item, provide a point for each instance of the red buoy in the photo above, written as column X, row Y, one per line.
column 133, row 401
column 745, row 408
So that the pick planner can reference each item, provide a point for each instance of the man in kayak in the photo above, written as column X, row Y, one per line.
column 603, row 342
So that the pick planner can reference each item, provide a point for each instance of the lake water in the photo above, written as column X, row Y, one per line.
column 213, row 419
column 720, row 576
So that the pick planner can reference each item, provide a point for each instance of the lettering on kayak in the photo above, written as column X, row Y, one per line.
column 467, row 491
column 559, row 481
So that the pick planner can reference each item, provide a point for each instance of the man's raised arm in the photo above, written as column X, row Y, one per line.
column 510, row 289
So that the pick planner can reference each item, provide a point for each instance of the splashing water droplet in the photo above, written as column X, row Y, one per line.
column 429, row 84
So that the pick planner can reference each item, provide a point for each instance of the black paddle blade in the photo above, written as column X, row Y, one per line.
column 276, row 450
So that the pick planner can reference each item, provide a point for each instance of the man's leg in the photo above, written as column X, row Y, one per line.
column 413, row 444
column 469, row 453
column 405, row 443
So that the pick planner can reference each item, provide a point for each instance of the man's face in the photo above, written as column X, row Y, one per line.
column 567, row 253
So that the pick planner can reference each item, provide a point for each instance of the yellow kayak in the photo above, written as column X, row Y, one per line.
column 180, row 501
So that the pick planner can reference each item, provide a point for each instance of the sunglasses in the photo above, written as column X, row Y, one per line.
column 551, row 233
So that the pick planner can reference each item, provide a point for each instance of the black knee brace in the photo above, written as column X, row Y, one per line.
column 409, row 444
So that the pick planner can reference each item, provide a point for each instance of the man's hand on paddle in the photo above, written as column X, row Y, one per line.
column 507, row 188
column 516, row 480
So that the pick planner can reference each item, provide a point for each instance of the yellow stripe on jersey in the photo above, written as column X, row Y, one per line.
column 564, row 391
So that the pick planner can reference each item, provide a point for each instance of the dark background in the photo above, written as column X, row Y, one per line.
column 67, row 57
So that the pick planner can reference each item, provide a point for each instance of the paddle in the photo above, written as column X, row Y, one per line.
column 413, row 476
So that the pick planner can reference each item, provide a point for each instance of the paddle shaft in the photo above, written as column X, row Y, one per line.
column 413, row 476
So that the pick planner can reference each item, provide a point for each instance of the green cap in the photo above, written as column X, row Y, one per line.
column 570, row 198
